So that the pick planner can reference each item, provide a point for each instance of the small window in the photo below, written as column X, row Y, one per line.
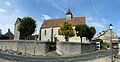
column 45, row 32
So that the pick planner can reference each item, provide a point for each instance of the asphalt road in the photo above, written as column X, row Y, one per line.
column 18, row 58
column 3, row 60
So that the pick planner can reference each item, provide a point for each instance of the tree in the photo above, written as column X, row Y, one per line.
column 27, row 27
column 3, row 37
column 82, row 30
column 92, row 32
column 119, row 40
column 66, row 30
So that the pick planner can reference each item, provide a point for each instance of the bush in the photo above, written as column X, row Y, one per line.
column 104, row 45
column 19, row 53
column 52, row 46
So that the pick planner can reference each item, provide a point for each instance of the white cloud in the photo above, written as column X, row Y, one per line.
column 8, row 3
column 8, row 20
column 16, row 10
column 90, row 19
column 95, row 9
column 119, row 22
column 104, row 20
column 2, row 10
column 45, row 17
column 117, row 31
column 97, row 25
column 57, row 6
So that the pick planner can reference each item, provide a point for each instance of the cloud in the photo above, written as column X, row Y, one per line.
column 97, row 24
column 95, row 9
column 16, row 10
column 45, row 17
column 104, row 21
column 57, row 6
column 90, row 19
column 118, row 32
column 8, row 20
column 8, row 3
column 2, row 10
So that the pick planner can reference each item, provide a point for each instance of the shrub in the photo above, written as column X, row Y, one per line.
column 104, row 45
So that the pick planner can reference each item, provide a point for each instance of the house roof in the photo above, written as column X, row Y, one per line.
column 9, row 33
column 57, row 22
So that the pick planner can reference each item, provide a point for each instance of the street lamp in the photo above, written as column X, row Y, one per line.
column 110, row 26
column 111, row 50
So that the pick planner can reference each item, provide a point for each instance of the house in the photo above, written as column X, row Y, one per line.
column 16, row 32
column 105, row 36
column 49, row 28
column 9, row 34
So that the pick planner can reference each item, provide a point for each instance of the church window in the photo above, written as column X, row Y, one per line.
column 45, row 32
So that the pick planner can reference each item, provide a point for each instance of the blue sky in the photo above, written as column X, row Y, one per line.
column 98, row 13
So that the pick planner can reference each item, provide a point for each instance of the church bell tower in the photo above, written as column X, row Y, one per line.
column 69, row 15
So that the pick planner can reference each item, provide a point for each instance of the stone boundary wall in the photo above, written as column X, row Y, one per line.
column 32, row 47
column 74, row 48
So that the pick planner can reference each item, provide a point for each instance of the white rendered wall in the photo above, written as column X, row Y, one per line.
column 59, row 37
column 16, row 32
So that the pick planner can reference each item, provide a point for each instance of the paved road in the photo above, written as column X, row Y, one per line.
column 3, row 60
column 83, row 58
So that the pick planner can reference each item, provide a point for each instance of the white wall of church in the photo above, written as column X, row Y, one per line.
column 59, row 37
column 47, row 36
column 16, row 32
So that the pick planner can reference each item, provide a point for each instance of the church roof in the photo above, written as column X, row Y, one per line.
column 18, row 20
column 57, row 22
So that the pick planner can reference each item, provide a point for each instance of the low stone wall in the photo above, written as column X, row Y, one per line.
column 25, row 46
column 34, row 47
column 88, row 47
column 72, row 48
column 8, row 44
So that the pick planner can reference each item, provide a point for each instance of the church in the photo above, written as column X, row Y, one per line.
column 49, row 28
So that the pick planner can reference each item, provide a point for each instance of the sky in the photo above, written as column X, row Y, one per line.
column 98, row 13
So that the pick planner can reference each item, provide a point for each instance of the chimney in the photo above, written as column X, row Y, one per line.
column 8, row 30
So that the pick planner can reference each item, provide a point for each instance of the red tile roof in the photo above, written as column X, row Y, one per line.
column 57, row 22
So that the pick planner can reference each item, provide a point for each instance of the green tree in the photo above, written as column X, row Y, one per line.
column 92, row 32
column 119, row 40
column 66, row 30
column 27, row 27
column 82, row 30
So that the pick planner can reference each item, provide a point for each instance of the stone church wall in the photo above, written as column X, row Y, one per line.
column 31, row 47
column 73, row 48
